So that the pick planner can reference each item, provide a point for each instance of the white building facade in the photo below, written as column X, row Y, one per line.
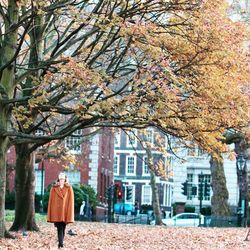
column 195, row 165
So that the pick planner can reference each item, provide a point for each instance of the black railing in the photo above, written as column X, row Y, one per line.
column 209, row 221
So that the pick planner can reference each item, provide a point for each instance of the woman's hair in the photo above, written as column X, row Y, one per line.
column 64, row 176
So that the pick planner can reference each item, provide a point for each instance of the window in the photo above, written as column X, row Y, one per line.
column 39, row 132
column 190, row 178
column 146, row 194
column 207, row 178
column 166, row 195
column 73, row 143
column 201, row 152
column 181, row 217
column 116, row 164
column 150, row 135
column 202, row 179
column 191, row 151
column 131, row 138
column 170, row 141
column 74, row 177
column 39, row 188
column 145, row 170
column 195, row 151
column 130, row 165
column 117, row 139
column 193, row 216
column 189, row 186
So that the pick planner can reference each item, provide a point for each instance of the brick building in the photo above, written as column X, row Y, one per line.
column 93, row 165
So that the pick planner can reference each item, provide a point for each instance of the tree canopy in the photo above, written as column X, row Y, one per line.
column 178, row 65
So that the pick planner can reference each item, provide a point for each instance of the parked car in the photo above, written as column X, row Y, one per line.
column 124, row 208
column 163, row 214
column 183, row 220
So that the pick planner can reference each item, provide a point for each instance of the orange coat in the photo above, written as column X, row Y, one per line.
column 61, row 204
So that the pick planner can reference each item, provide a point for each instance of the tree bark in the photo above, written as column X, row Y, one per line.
column 154, row 188
column 3, row 153
column 25, row 190
column 25, row 172
column 155, row 199
column 7, row 74
column 219, row 199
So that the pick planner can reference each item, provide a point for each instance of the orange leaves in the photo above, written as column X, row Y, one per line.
column 180, row 65
column 195, row 72
column 100, row 236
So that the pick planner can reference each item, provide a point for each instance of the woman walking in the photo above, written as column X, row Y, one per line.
column 61, row 206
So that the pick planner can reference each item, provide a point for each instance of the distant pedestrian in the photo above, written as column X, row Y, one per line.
column 82, row 210
column 163, row 213
column 61, row 206
column 136, row 207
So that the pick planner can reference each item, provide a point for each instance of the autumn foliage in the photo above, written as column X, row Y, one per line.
column 100, row 236
column 178, row 65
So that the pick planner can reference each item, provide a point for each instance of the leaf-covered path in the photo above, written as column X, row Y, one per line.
column 100, row 236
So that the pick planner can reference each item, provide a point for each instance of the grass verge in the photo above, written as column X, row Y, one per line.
column 10, row 216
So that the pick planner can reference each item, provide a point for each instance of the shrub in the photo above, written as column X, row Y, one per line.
column 145, row 208
column 10, row 201
column 90, row 193
column 189, row 209
column 174, row 209
column 78, row 197
column 206, row 211
column 38, row 198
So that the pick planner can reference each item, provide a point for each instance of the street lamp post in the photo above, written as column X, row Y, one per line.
column 240, row 163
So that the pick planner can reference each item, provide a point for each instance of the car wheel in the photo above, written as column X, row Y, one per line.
column 129, row 213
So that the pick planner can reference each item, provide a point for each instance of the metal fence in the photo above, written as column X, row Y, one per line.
column 209, row 221
column 224, row 221
column 122, row 219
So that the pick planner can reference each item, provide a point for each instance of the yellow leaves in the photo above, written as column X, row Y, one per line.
column 68, row 160
column 21, row 3
column 39, row 98
column 76, row 74
column 185, row 70
column 23, row 116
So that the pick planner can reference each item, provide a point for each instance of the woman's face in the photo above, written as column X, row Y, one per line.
column 61, row 181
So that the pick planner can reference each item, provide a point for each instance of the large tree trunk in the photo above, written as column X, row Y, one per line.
column 155, row 199
column 3, row 153
column 25, row 191
column 219, row 199
column 25, row 172
column 7, row 51
column 154, row 188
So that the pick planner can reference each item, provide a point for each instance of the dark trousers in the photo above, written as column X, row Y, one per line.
column 60, row 232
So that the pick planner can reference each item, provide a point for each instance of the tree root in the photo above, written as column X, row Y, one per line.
column 8, row 235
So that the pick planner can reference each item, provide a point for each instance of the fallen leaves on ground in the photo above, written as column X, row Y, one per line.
column 103, row 236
